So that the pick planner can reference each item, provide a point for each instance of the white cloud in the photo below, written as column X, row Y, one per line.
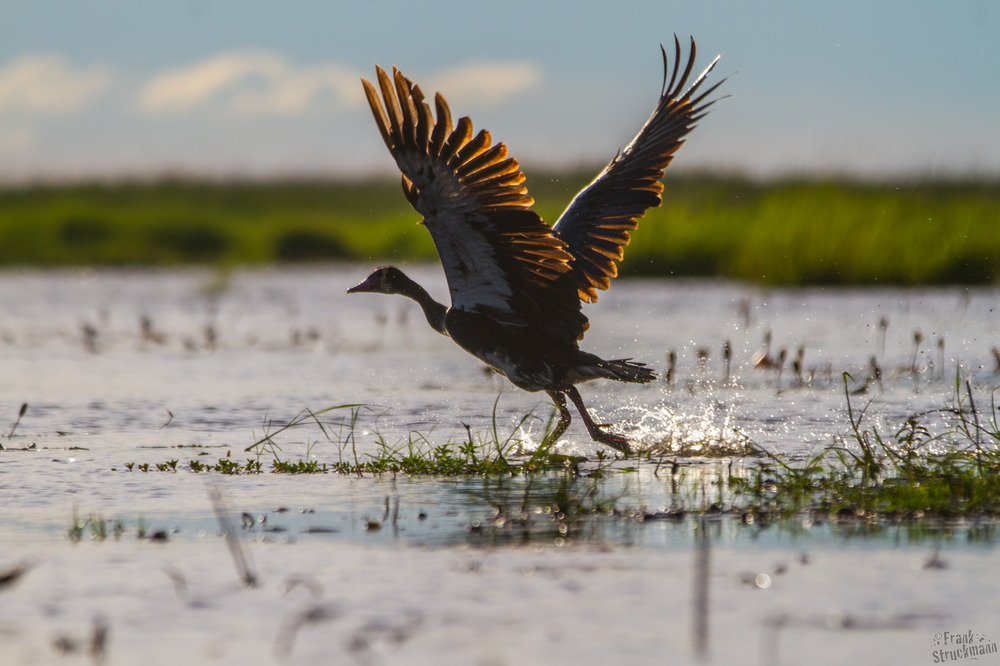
column 48, row 84
column 252, row 83
column 486, row 83
column 297, row 89
column 184, row 88
column 266, row 83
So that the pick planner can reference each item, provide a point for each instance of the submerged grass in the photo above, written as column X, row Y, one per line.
column 99, row 527
column 779, row 232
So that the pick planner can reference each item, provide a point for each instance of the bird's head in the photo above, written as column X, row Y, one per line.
column 383, row 280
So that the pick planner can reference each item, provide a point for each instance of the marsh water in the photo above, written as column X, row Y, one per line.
column 121, row 369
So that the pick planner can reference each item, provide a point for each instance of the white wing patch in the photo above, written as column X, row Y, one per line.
column 475, row 279
column 470, row 264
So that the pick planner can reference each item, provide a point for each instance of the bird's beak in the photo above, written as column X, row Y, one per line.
column 370, row 284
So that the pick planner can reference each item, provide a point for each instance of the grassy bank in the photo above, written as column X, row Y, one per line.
column 786, row 232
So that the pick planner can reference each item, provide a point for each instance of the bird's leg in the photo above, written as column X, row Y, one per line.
column 598, row 435
column 564, row 416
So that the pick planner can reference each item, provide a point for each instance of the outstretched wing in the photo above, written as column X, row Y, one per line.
column 596, row 223
column 499, row 258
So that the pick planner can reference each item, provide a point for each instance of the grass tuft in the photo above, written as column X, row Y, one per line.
column 942, row 464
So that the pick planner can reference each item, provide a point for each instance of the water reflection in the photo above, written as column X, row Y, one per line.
column 565, row 509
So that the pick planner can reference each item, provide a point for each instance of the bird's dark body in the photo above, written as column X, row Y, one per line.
column 512, row 351
column 516, row 283
column 529, row 360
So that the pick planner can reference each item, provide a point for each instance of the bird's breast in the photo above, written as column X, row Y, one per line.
column 505, row 348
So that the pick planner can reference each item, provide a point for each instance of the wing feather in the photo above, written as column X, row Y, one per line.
column 381, row 121
column 471, row 150
column 498, row 256
column 442, row 129
column 456, row 140
column 391, row 108
column 483, row 160
column 599, row 218
column 426, row 120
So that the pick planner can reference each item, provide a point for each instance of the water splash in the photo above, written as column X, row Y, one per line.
column 708, row 434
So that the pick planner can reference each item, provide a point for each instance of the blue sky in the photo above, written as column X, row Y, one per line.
column 262, row 88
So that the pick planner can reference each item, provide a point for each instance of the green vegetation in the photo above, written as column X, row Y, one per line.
column 940, row 464
column 99, row 528
column 824, row 232
column 488, row 454
column 482, row 454
column 177, row 222
column 783, row 232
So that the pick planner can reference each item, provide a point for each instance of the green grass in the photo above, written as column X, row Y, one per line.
column 782, row 232
column 482, row 454
column 490, row 453
column 940, row 464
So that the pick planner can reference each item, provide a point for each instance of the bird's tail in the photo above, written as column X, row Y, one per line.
column 622, row 370
column 627, row 370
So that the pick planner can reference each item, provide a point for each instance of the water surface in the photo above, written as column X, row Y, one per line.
column 138, row 367
column 393, row 570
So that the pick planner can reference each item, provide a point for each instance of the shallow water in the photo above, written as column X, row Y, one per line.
column 224, row 352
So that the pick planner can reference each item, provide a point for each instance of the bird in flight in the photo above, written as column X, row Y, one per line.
column 517, row 284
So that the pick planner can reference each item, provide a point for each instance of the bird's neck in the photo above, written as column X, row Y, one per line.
column 433, row 311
